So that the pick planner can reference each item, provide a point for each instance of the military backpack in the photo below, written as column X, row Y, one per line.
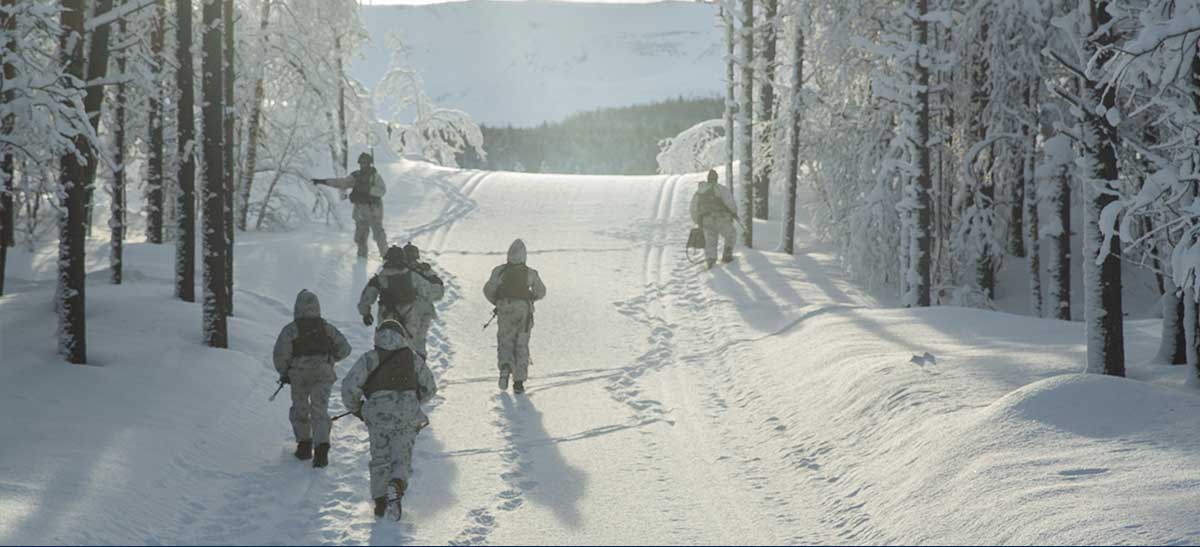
column 312, row 338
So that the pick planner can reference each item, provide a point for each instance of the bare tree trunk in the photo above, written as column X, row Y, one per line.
column 212, row 87
column 7, row 126
column 766, row 105
column 343, row 142
column 791, row 171
column 730, row 85
column 1104, row 319
column 72, row 328
column 1030, row 197
column 253, row 129
column 154, row 178
column 230, row 153
column 185, row 201
column 744, row 113
column 923, row 227
column 1059, row 304
column 117, row 216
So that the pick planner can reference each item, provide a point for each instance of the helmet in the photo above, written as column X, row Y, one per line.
column 365, row 158
column 411, row 252
column 395, row 254
column 712, row 175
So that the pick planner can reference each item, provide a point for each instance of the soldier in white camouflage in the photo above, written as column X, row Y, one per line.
column 513, row 288
column 385, row 389
column 713, row 210
column 304, row 354
column 366, row 193
column 405, row 290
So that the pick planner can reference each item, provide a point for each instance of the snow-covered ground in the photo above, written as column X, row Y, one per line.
column 766, row 402
column 524, row 63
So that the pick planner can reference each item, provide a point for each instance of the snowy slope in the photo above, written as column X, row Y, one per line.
column 523, row 63
column 768, row 402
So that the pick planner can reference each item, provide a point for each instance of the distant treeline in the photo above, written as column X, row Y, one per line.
column 620, row 140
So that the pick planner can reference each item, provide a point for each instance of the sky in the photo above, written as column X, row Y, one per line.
column 415, row 2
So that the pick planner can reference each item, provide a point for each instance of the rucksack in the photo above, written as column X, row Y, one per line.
column 312, row 338
column 710, row 202
column 397, row 371
column 361, row 192
column 400, row 291
column 514, row 282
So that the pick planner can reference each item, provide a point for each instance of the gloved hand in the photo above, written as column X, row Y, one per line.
column 358, row 414
column 437, row 280
column 283, row 379
column 367, row 319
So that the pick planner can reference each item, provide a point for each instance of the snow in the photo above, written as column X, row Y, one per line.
column 524, row 63
column 768, row 401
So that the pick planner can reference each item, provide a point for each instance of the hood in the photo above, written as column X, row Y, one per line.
column 388, row 336
column 307, row 305
column 516, row 252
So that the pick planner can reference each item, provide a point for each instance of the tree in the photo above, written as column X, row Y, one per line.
column 921, row 231
column 8, row 22
column 766, row 105
column 116, row 220
column 730, row 86
column 745, row 111
column 253, row 128
column 230, row 152
column 791, row 169
column 213, row 193
column 185, row 207
column 154, row 176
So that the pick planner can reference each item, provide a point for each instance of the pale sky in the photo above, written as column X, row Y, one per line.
column 413, row 2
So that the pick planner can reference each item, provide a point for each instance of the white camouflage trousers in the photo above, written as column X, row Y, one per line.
column 393, row 431
column 368, row 217
column 714, row 226
column 310, row 403
column 514, row 321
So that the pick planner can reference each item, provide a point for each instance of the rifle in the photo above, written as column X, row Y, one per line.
column 277, row 390
column 489, row 321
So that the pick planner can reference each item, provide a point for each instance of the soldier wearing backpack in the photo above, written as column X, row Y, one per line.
column 405, row 292
column 713, row 211
column 305, row 352
column 366, row 193
column 385, row 389
column 513, row 288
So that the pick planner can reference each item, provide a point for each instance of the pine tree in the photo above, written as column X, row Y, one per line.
column 791, row 170
column 116, row 220
column 1103, row 313
column 747, row 127
column 8, row 22
column 154, row 177
column 766, row 104
column 185, row 204
column 230, row 153
column 923, row 228
column 213, row 193
column 72, row 329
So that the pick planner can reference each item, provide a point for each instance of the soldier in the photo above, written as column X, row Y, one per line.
column 513, row 288
column 405, row 291
column 366, row 193
column 394, row 381
column 713, row 211
column 305, row 352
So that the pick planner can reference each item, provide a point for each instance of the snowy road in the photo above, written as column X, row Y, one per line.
column 614, row 440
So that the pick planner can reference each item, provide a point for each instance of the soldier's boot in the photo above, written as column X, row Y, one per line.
column 303, row 450
column 709, row 263
column 728, row 256
column 400, row 487
column 381, row 506
column 321, row 456
column 505, row 370
column 518, row 387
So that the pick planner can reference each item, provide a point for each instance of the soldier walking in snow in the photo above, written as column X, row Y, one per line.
column 394, row 381
column 513, row 288
column 305, row 352
column 714, row 212
column 406, row 290
column 366, row 193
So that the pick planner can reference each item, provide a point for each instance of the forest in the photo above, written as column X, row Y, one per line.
column 621, row 140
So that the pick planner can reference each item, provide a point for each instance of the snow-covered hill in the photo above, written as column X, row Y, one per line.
column 523, row 63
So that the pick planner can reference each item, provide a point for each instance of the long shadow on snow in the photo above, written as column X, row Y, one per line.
column 559, row 485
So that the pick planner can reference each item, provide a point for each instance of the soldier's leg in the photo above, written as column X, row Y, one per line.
column 362, row 224
column 710, row 243
column 521, row 357
column 508, row 325
column 301, row 410
column 729, row 234
column 402, row 448
column 382, row 427
column 381, row 240
column 319, row 411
